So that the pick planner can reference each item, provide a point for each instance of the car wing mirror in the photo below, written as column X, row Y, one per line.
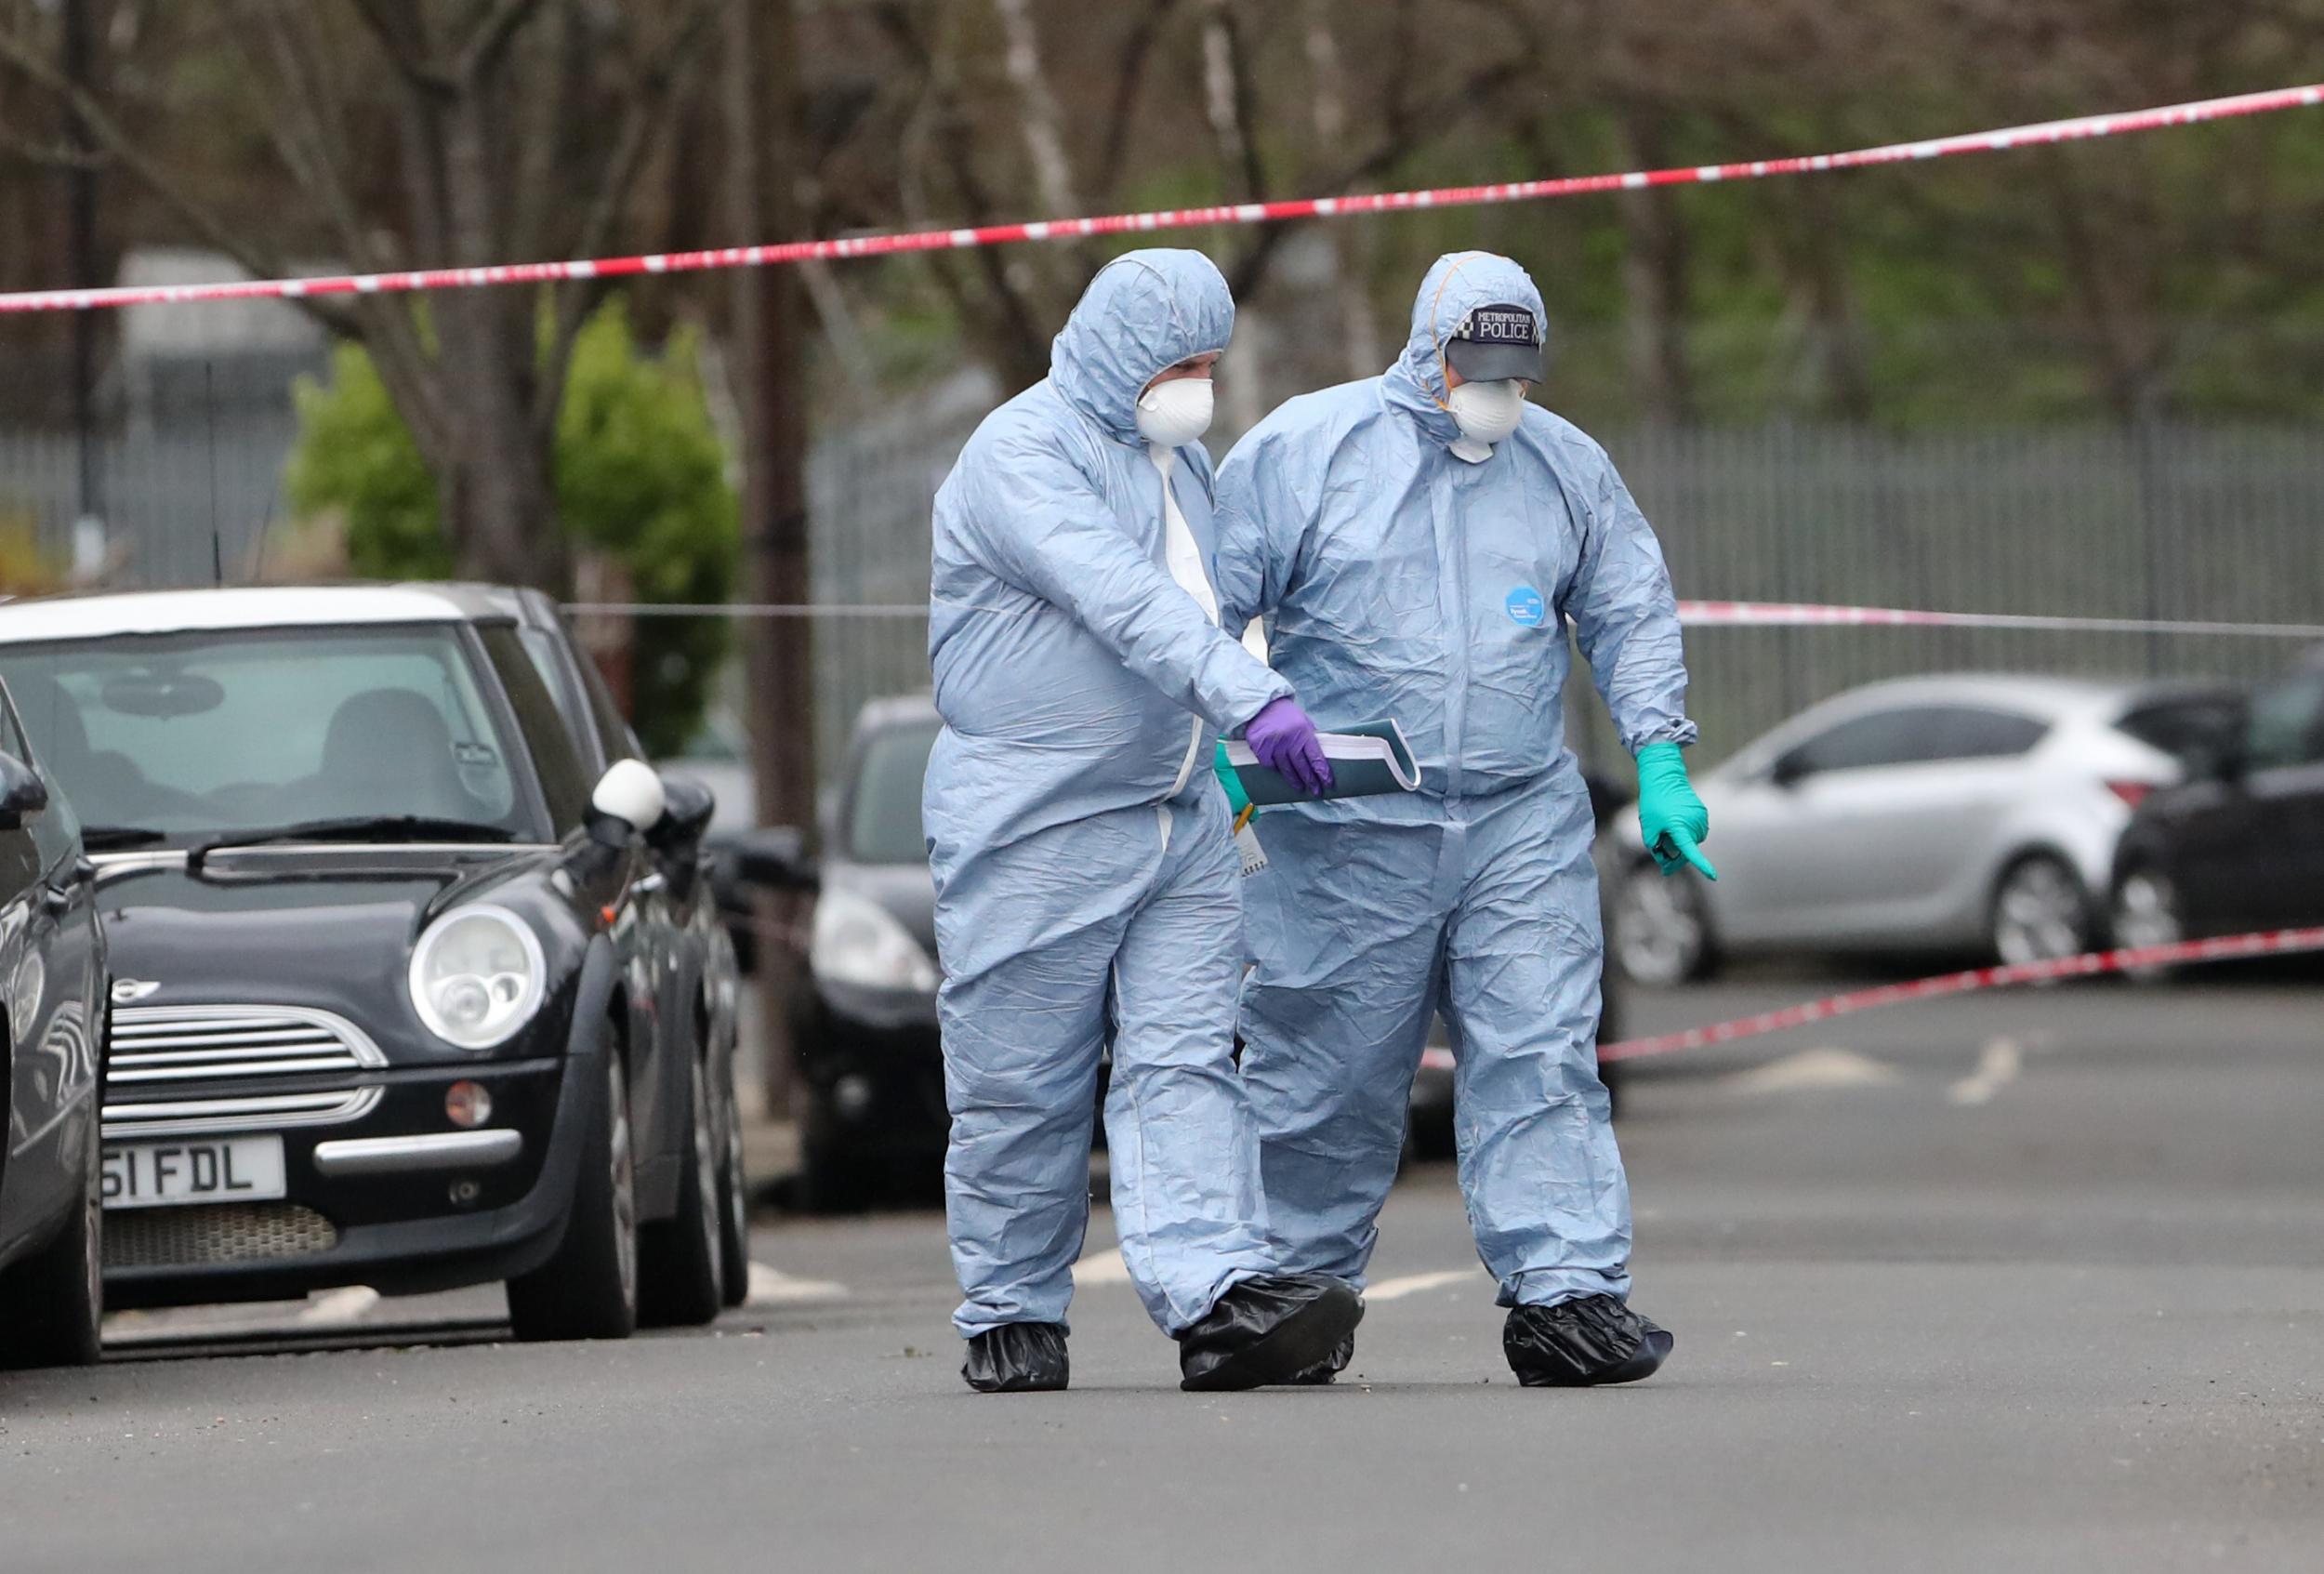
column 629, row 800
column 22, row 793
column 687, row 808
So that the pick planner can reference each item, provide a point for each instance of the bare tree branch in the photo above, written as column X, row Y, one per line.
column 47, row 155
column 120, row 149
column 402, row 32
column 1228, row 96
column 657, row 85
column 1466, row 97
column 1042, row 123
column 1127, row 77
column 303, row 135
column 488, row 37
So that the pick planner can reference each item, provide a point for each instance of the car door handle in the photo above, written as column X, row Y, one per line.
column 55, row 900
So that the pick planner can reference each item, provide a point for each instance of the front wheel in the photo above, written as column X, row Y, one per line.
column 2040, row 913
column 734, row 1206
column 2146, row 913
column 1661, row 928
column 52, row 1304
column 685, row 1278
column 588, row 1289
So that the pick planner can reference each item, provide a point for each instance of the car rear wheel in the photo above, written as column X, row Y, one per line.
column 684, row 1276
column 2040, row 913
column 52, row 1304
column 734, row 1206
column 2146, row 913
column 588, row 1289
column 1661, row 931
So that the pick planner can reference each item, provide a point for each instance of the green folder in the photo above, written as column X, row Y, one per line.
column 1367, row 760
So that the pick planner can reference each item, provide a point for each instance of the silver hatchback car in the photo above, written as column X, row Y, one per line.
column 1924, row 815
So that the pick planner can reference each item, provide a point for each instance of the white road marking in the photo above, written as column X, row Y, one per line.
column 773, row 1287
column 1996, row 1069
column 1101, row 1265
column 1810, row 1070
column 1413, row 1284
column 339, row 1308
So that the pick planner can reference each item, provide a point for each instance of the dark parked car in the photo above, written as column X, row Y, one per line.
column 2239, row 845
column 52, row 983
column 864, row 1033
column 415, row 981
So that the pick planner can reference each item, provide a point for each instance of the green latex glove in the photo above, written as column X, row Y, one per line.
column 1670, row 816
column 1236, row 799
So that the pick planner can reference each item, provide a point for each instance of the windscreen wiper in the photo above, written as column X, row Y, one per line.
column 114, row 838
column 357, row 828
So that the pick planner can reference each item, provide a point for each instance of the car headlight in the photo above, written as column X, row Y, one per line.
column 859, row 941
column 477, row 976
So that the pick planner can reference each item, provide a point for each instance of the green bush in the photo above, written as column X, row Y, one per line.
column 640, row 476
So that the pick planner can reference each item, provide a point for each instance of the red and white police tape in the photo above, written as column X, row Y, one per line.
column 2079, row 128
column 2271, row 943
column 1789, row 614
column 1697, row 615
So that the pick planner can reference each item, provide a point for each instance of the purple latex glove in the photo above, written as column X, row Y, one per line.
column 1285, row 743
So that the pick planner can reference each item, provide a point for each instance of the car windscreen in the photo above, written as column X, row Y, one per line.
column 2183, row 725
column 193, row 735
column 2286, row 723
column 884, row 810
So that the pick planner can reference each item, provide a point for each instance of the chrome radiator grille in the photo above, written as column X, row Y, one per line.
column 175, row 1068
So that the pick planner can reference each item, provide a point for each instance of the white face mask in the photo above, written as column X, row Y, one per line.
column 1487, row 411
column 1175, row 412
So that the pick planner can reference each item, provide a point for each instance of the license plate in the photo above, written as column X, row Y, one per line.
column 195, row 1169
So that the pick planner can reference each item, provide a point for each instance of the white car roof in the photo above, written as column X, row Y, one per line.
column 268, row 606
column 2040, row 693
column 2047, row 696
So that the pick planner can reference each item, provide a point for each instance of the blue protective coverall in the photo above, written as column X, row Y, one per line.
column 1397, row 579
column 1087, row 886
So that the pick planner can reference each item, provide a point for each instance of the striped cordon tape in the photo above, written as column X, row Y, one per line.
column 1695, row 614
column 2179, row 953
column 2079, row 128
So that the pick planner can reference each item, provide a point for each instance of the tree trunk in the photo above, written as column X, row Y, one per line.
column 770, row 323
column 1654, row 278
column 1350, row 242
column 499, row 472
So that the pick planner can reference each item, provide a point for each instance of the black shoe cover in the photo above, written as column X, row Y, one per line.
column 1582, row 1344
column 1268, row 1331
column 1331, row 1367
column 1017, row 1358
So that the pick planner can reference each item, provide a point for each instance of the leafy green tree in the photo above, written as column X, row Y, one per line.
column 640, row 475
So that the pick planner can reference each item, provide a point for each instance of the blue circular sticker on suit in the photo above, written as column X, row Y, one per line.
column 1526, row 608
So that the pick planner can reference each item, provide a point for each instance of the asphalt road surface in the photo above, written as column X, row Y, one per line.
column 2028, row 1281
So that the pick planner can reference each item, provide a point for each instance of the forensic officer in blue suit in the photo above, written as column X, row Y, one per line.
column 1417, row 544
column 1086, row 884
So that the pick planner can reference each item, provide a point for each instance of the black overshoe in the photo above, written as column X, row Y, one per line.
column 1326, row 1371
column 1268, row 1330
column 1582, row 1344
column 1017, row 1358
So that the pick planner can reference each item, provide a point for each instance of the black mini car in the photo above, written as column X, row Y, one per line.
column 52, row 987
column 416, row 983
column 2238, row 845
